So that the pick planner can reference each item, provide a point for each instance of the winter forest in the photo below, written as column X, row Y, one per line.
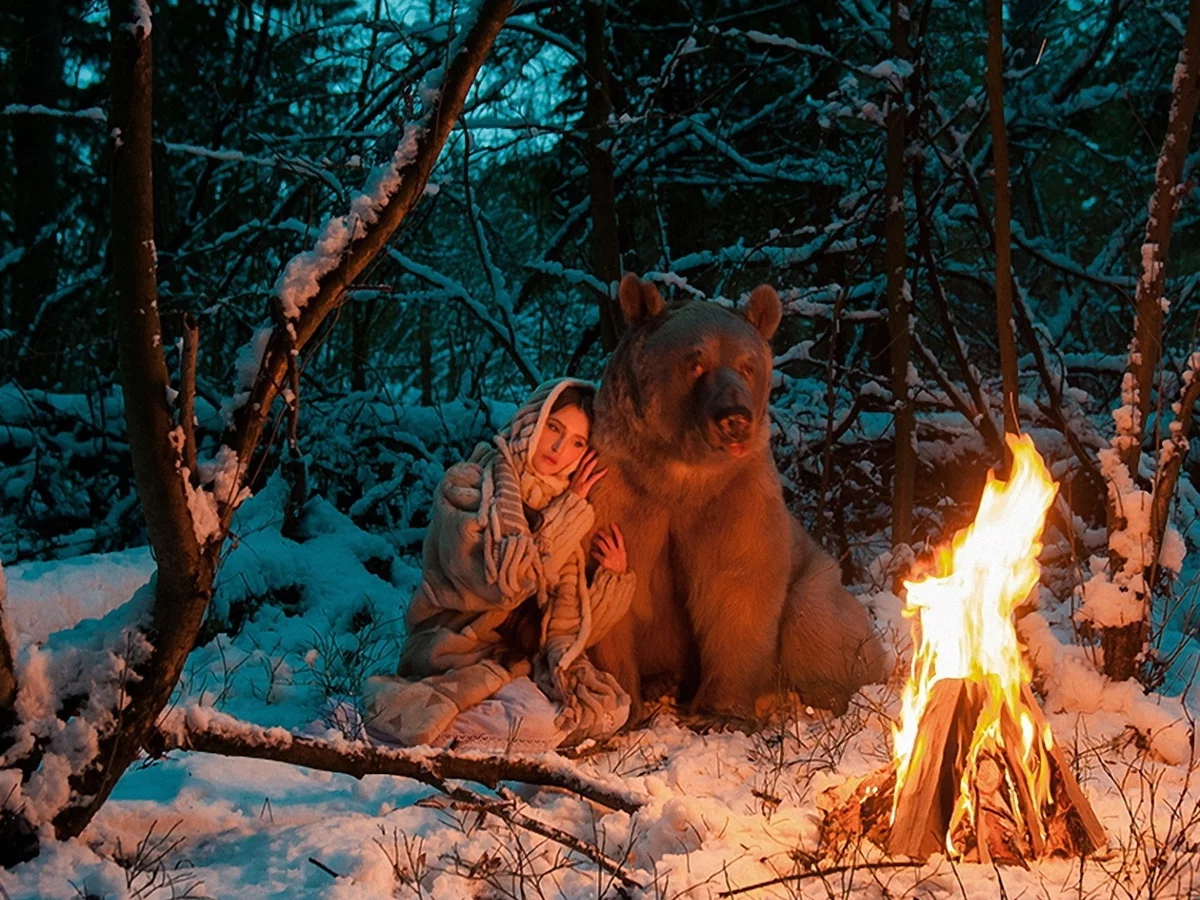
column 698, row 329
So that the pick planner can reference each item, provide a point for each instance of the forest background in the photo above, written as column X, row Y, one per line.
column 842, row 150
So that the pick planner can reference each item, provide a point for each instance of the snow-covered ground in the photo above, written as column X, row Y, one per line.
column 727, row 809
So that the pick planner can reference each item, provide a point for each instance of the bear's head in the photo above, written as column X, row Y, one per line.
column 688, row 382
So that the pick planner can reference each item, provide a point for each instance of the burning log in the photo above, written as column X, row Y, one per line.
column 924, row 806
column 976, row 773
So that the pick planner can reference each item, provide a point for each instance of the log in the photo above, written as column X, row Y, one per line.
column 1078, row 807
column 998, row 834
column 926, row 800
column 1010, row 735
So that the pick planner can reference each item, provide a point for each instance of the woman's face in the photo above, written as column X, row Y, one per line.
column 562, row 442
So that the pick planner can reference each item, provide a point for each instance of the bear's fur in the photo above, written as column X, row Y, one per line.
column 733, row 597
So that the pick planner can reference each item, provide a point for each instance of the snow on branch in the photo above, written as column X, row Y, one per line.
column 314, row 283
column 91, row 114
column 205, row 730
column 1170, row 460
column 891, row 70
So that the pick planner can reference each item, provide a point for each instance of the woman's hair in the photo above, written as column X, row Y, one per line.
column 573, row 396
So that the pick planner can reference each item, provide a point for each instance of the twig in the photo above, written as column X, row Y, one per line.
column 324, row 868
column 461, row 798
column 820, row 873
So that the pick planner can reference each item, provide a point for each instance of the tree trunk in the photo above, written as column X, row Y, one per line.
column 1003, row 238
column 1146, row 349
column 183, row 581
column 898, row 293
column 186, row 562
column 8, row 675
column 606, row 249
column 1124, row 645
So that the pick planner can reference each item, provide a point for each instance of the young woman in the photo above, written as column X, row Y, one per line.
column 498, row 628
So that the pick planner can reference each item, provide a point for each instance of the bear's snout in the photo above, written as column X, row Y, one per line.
column 733, row 424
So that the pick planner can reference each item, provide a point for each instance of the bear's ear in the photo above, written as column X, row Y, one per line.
column 640, row 300
column 764, row 310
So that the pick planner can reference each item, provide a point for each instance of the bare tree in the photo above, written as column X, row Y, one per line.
column 1124, row 644
column 1145, row 351
column 1003, row 230
column 898, row 292
column 187, row 524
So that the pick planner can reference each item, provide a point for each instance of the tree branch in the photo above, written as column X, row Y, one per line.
column 984, row 423
column 412, row 176
column 1050, row 383
column 820, row 873
column 505, row 810
column 207, row 731
column 1003, row 242
column 1174, row 451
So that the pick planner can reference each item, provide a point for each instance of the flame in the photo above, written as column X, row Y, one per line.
column 963, row 627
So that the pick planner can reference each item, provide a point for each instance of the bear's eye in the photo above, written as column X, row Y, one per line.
column 747, row 368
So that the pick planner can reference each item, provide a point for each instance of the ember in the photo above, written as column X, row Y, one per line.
column 977, row 773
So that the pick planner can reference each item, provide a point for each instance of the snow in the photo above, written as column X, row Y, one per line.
column 141, row 14
column 246, row 365
column 726, row 809
column 1173, row 550
column 45, row 597
column 1108, row 605
column 94, row 113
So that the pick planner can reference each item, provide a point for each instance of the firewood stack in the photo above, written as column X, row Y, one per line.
column 1000, row 823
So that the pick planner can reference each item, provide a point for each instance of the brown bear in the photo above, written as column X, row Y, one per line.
column 733, row 598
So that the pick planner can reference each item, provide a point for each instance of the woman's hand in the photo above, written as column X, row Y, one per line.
column 608, row 549
column 585, row 477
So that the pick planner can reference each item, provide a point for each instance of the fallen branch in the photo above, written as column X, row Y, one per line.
column 204, row 730
column 819, row 873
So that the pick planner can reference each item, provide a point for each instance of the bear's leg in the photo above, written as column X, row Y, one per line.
column 735, row 586
column 827, row 647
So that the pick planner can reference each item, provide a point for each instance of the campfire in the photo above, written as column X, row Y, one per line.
column 976, row 772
